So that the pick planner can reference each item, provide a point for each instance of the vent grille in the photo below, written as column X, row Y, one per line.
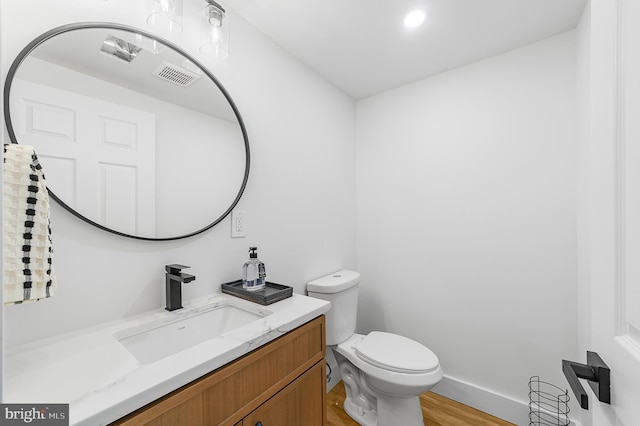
column 175, row 74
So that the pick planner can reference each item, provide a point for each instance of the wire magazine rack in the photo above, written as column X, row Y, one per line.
column 548, row 404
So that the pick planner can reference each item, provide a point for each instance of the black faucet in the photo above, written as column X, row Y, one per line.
column 174, row 280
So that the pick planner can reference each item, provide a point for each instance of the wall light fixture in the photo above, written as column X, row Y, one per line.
column 165, row 16
column 215, row 38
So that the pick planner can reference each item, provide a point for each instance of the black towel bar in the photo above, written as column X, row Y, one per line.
column 595, row 371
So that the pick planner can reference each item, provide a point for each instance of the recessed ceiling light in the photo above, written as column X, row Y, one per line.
column 414, row 18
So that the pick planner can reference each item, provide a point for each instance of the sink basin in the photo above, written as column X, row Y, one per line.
column 158, row 339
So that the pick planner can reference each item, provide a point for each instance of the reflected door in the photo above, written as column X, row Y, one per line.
column 99, row 156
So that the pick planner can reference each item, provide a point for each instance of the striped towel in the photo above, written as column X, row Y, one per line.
column 27, row 252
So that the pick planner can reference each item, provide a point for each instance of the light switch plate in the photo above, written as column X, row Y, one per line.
column 238, row 224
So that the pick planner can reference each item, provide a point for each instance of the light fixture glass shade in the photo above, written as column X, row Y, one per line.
column 215, row 36
column 149, row 44
column 165, row 16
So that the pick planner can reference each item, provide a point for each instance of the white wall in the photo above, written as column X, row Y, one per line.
column 300, row 199
column 2, row 321
column 466, row 222
column 583, row 39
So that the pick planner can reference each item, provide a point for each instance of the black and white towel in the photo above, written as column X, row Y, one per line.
column 27, row 251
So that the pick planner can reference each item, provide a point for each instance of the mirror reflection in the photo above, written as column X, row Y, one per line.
column 133, row 135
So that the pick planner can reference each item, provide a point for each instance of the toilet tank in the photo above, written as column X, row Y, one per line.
column 341, row 289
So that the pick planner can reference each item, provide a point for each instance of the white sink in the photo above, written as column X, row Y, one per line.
column 183, row 329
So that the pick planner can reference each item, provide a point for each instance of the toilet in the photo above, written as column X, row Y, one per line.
column 383, row 373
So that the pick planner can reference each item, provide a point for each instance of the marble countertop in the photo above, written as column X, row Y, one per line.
column 93, row 372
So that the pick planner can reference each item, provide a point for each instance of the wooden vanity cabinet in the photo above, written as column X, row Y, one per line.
column 281, row 383
column 297, row 404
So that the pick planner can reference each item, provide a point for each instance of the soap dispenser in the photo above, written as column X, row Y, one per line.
column 253, row 272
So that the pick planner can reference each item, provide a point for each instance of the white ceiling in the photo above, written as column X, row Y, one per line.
column 362, row 47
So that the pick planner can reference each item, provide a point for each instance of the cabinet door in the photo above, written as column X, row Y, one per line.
column 300, row 403
column 180, row 411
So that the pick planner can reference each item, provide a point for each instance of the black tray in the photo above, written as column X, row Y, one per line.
column 272, row 292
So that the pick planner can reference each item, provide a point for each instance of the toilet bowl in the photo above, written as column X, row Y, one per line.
column 383, row 373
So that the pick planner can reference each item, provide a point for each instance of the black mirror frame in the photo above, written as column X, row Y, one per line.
column 78, row 26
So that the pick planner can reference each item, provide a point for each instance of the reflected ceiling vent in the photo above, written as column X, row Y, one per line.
column 175, row 74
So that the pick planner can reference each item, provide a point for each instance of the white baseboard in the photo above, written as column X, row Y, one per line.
column 504, row 407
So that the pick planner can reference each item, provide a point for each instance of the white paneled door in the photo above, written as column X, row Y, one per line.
column 614, row 172
column 98, row 156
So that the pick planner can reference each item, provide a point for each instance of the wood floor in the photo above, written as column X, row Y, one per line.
column 436, row 411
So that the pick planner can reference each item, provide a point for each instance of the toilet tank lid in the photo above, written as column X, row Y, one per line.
column 334, row 283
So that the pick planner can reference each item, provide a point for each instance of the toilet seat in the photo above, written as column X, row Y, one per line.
column 395, row 353
column 384, row 380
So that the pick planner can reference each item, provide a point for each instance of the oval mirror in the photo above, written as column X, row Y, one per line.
column 133, row 134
